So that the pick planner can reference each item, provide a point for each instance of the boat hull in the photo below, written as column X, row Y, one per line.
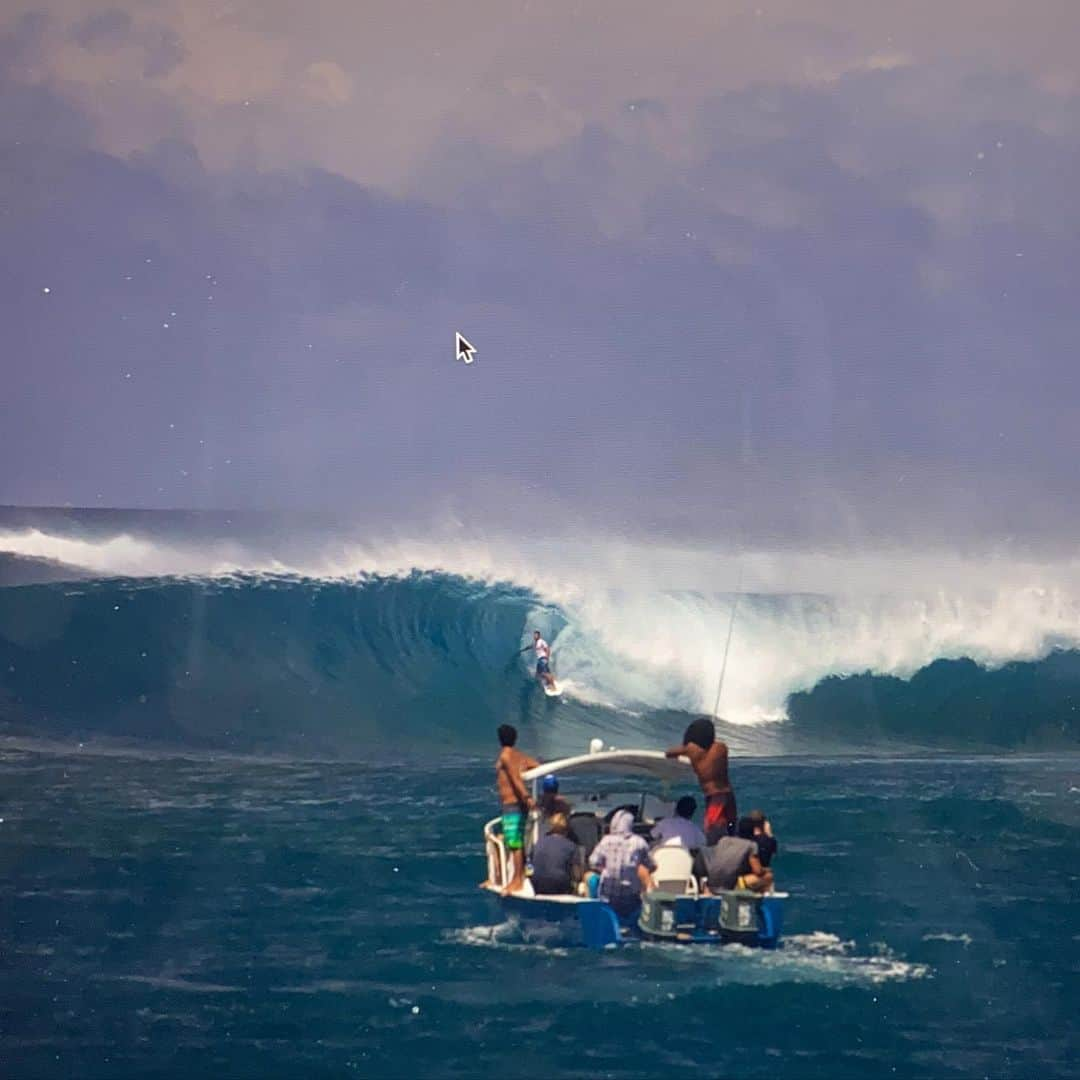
column 740, row 916
column 731, row 917
column 576, row 920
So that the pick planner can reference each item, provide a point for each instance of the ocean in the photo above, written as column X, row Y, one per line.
column 243, row 777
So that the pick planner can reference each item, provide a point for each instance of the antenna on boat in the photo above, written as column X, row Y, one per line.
column 727, row 646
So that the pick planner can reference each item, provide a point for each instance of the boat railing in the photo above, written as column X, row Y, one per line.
column 498, row 858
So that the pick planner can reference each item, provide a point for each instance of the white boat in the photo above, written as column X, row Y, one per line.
column 674, row 911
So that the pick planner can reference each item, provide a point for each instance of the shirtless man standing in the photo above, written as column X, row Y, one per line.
column 709, row 757
column 515, row 800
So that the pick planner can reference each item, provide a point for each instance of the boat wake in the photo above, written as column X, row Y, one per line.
column 820, row 958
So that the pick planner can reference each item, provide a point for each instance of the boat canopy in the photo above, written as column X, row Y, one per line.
column 647, row 763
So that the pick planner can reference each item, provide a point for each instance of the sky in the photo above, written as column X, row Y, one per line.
column 799, row 269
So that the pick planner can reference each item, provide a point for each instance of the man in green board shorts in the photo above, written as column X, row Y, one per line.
column 515, row 800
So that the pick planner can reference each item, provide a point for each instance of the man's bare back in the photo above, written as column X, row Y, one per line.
column 509, row 766
column 711, row 767
column 708, row 755
column 709, row 758
column 516, row 805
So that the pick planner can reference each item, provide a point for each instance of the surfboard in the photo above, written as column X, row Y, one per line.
column 551, row 691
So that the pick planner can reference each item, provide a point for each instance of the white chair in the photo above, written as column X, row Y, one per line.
column 674, row 869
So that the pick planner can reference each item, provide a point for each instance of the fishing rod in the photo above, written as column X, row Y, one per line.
column 727, row 646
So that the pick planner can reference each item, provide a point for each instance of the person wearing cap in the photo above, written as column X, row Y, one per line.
column 551, row 802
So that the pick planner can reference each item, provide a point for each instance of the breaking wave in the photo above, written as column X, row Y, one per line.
column 133, row 636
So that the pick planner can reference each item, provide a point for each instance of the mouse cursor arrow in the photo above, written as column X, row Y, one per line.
column 462, row 349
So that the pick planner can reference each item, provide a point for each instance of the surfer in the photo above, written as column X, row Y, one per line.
column 543, row 659
column 709, row 757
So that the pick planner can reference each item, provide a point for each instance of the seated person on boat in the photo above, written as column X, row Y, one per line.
column 556, row 863
column 624, row 863
column 550, row 801
column 762, row 835
column 679, row 829
column 732, row 863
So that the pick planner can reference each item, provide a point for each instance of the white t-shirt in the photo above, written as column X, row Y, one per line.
column 678, row 831
column 541, row 647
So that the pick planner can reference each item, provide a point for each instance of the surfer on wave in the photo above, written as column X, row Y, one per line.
column 543, row 659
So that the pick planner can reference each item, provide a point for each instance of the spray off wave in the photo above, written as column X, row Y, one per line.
column 267, row 645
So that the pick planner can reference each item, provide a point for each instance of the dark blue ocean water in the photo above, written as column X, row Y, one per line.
column 175, row 915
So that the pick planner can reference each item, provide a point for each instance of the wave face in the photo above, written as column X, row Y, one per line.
column 266, row 663
column 192, row 646
column 287, row 664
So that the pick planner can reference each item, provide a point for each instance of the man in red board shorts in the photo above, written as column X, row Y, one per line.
column 709, row 757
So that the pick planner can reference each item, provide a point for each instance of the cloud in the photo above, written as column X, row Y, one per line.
column 515, row 77
column 887, row 61
column 325, row 82
column 164, row 53
column 103, row 29
column 701, row 285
